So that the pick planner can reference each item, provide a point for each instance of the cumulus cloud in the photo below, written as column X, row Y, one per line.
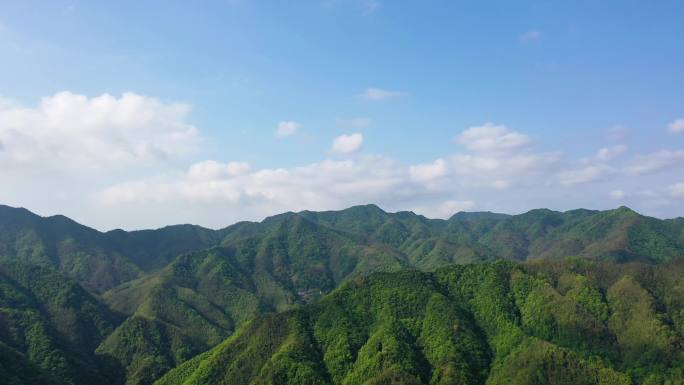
column 654, row 162
column 676, row 127
column 71, row 130
column 330, row 184
column 427, row 188
column 347, row 144
column 492, row 138
column 287, row 128
column 112, row 133
column 376, row 94
column 495, row 158
column 530, row 36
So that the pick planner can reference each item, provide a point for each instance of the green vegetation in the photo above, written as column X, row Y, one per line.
column 51, row 322
column 345, row 297
column 96, row 260
column 101, row 261
column 565, row 322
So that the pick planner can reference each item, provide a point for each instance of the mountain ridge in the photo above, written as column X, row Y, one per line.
column 180, row 290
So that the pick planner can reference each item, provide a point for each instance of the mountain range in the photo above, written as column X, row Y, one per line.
column 357, row 296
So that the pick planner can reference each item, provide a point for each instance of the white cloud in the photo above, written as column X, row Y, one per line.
column 676, row 127
column 338, row 183
column 593, row 168
column 490, row 138
column 74, row 131
column 677, row 190
column 380, row 94
column 210, row 169
column 654, row 162
column 124, row 154
column 617, row 194
column 584, row 175
column 287, row 128
column 427, row 172
column 530, row 36
column 355, row 123
column 347, row 144
column 316, row 186
column 609, row 153
column 500, row 170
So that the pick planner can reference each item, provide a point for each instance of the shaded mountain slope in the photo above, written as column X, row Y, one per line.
column 52, row 322
column 97, row 260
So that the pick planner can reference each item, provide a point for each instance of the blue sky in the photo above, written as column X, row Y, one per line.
column 432, row 106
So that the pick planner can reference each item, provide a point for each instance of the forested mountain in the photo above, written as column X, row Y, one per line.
column 78, row 305
column 570, row 322
column 97, row 260
column 49, row 322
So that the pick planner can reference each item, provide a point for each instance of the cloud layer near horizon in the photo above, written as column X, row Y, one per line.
column 96, row 147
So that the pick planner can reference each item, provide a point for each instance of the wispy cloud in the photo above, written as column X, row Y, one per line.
column 377, row 94
column 654, row 162
column 370, row 6
column 530, row 36
column 367, row 6
column 355, row 123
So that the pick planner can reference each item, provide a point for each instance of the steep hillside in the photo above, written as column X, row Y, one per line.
column 201, row 297
column 569, row 322
column 50, row 322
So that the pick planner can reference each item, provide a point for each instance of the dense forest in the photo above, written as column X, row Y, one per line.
column 357, row 296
